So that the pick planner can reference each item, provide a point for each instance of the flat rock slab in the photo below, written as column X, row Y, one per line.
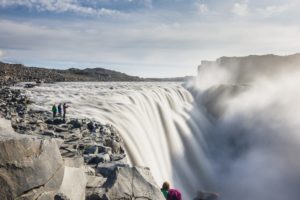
column 131, row 183
column 30, row 168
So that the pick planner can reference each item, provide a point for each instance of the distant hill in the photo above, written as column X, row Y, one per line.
column 10, row 73
column 21, row 73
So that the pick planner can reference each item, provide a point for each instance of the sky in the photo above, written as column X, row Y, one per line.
column 147, row 38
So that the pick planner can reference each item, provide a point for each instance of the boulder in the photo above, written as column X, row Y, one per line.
column 90, row 126
column 49, row 133
column 30, row 168
column 130, row 183
column 116, row 146
column 74, row 183
column 105, row 169
column 61, row 196
column 95, row 159
column 75, row 123
column 58, row 121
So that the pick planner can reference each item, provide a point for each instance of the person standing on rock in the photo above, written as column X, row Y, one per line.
column 165, row 189
column 54, row 110
column 59, row 109
column 65, row 110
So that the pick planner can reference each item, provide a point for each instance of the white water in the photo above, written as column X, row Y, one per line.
column 157, row 121
column 241, row 141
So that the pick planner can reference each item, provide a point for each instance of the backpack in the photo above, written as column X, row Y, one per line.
column 174, row 194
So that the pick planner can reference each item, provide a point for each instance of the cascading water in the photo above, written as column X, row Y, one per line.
column 157, row 121
column 240, row 140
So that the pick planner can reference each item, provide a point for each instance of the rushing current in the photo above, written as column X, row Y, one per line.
column 240, row 140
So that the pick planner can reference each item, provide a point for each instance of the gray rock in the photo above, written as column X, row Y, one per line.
column 58, row 121
column 95, row 181
column 131, row 183
column 49, row 133
column 29, row 167
column 91, row 150
column 75, row 123
column 60, row 196
column 105, row 169
column 91, row 126
column 95, row 159
column 76, row 161
column 116, row 146
column 117, row 157
column 89, row 171
column 74, row 183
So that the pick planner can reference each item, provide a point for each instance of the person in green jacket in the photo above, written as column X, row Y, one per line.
column 165, row 189
column 54, row 110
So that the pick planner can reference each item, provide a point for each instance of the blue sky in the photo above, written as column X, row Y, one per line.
column 148, row 38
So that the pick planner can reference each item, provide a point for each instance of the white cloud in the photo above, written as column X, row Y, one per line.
column 271, row 10
column 202, row 8
column 59, row 6
column 143, row 43
column 240, row 9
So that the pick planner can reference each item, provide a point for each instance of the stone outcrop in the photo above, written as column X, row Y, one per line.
column 43, row 158
column 30, row 168
column 126, row 182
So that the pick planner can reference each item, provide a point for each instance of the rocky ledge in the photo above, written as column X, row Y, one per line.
column 43, row 158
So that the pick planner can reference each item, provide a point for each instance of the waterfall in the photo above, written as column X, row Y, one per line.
column 240, row 140
column 160, row 125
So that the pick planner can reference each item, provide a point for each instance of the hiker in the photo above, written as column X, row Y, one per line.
column 165, row 189
column 65, row 110
column 174, row 194
column 59, row 109
column 54, row 110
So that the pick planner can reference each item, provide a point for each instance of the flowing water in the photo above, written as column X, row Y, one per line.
column 242, row 141
column 156, row 121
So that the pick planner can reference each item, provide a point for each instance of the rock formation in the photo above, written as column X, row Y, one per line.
column 43, row 158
